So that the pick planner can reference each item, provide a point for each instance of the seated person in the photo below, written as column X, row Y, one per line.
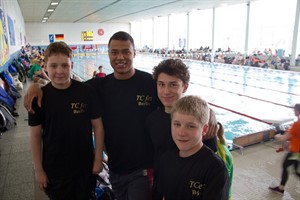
column 35, row 68
column 38, row 74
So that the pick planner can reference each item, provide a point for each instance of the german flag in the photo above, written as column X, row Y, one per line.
column 59, row 36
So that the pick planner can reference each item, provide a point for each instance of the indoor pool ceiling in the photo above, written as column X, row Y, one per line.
column 112, row 11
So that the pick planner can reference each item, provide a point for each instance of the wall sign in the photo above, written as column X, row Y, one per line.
column 100, row 32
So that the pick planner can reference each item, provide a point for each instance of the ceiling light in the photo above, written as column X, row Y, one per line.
column 44, row 20
column 54, row 3
column 50, row 10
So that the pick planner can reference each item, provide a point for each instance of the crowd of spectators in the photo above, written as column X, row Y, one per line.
column 263, row 59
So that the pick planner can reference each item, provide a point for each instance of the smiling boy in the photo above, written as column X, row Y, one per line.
column 61, row 131
column 192, row 171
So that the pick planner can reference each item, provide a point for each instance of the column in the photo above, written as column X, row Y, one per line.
column 247, row 30
column 295, row 34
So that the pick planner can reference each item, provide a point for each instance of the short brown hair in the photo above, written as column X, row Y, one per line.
column 58, row 48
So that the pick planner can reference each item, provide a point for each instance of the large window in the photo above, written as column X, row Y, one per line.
column 178, row 31
column 160, row 32
column 147, row 33
column 271, row 25
column 200, row 33
column 230, row 27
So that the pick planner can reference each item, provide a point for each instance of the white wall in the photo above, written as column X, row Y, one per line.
column 38, row 33
column 12, row 9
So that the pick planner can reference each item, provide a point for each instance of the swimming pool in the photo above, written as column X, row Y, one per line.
column 246, row 99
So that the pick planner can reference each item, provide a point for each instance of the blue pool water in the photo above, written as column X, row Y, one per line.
column 246, row 99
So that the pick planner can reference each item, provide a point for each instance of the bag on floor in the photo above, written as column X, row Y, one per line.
column 12, row 69
column 10, row 119
column 103, row 190
column 9, row 85
column 6, row 99
column 17, row 83
column 2, row 122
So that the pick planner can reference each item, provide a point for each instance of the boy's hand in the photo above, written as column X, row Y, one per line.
column 97, row 167
column 42, row 179
column 283, row 137
column 33, row 91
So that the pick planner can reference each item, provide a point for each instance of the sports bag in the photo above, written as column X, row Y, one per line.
column 2, row 122
column 10, row 119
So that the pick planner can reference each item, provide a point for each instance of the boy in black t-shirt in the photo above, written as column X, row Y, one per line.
column 193, row 171
column 61, row 131
column 172, row 79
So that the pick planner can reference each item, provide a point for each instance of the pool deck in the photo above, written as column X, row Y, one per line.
column 255, row 168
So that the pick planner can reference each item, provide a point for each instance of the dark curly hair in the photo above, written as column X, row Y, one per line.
column 172, row 67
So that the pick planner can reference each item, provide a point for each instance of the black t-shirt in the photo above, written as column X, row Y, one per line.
column 201, row 176
column 212, row 143
column 65, row 117
column 126, row 104
column 159, row 126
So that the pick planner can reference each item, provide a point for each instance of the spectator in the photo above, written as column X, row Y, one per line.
column 293, row 135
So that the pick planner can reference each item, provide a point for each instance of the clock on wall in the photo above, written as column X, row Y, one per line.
column 100, row 32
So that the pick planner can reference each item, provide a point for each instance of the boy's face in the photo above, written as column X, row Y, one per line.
column 169, row 90
column 187, row 133
column 59, row 70
column 121, row 55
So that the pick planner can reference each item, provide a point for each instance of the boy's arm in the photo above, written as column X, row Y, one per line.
column 33, row 91
column 44, row 74
column 283, row 137
column 36, row 149
column 99, row 143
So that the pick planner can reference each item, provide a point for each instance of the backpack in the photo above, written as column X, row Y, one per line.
column 17, row 83
column 103, row 190
column 9, row 85
column 10, row 119
column 6, row 99
column 2, row 122
column 12, row 69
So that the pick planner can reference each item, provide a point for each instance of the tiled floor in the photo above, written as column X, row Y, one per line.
column 16, row 169
column 258, row 168
column 254, row 170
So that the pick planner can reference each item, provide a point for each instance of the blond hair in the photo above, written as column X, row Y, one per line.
column 192, row 105
column 215, row 128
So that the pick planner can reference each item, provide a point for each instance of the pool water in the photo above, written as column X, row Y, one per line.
column 246, row 99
